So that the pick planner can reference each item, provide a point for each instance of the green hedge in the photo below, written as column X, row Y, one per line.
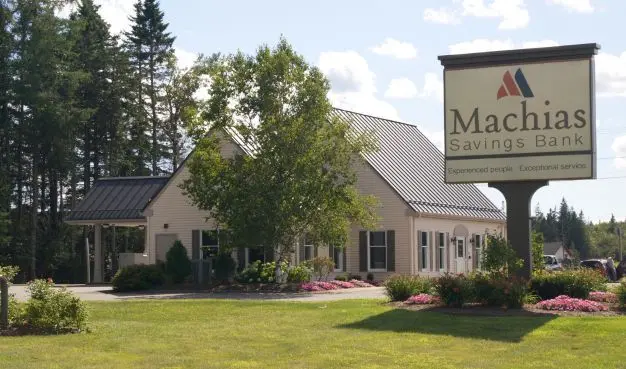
column 138, row 277
column 576, row 283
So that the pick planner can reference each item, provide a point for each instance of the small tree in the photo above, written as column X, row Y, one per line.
column 177, row 264
column 499, row 257
column 537, row 250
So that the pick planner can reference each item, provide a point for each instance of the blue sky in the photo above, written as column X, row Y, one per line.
column 381, row 58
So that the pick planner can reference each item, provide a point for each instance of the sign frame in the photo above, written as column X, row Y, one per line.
column 521, row 57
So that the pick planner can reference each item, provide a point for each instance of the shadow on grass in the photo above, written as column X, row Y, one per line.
column 509, row 328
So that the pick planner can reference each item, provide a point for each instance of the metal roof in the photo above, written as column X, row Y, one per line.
column 413, row 166
column 550, row 248
column 117, row 198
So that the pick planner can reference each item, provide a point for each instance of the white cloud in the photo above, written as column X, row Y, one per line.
column 619, row 148
column 395, row 48
column 580, row 6
column 184, row 58
column 353, row 84
column 433, row 87
column 513, row 13
column 611, row 74
column 482, row 44
column 401, row 88
column 442, row 15
column 116, row 13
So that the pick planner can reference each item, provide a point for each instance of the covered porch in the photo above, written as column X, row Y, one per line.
column 110, row 204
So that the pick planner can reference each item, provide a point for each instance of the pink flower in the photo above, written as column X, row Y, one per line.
column 566, row 303
column 603, row 296
column 359, row 283
column 422, row 299
column 342, row 284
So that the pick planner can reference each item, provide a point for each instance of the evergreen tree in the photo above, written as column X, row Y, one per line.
column 612, row 224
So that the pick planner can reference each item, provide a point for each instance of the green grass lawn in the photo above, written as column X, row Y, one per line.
column 345, row 334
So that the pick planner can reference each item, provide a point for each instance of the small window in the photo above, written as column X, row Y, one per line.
column 210, row 243
column 442, row 251
column 460, row 248
column 378, row 251
column 478, row 242
column 424, row 249
column 308, row 249
column 338, row 259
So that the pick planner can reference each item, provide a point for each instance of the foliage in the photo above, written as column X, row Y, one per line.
column 342, row 284
column 322, row 267
column 299, row 177
column 601, row 296
column 318, row 286
column 340, row 277
column 138, row 277
column 354, row 276
column 51, row 308
column 9, row 271
column 360, row 283
column 401, row 287
column 498, row 291
column 258, row 272
column 299, row 273
column 225, row 266
column 567, row 303
column 621, row 294
column 571, row 282
column 563, row 223
column 423, row 299
column 454, row 290
column 537, row 250
column 177, row 263
column 499, row 257
column 370, row 277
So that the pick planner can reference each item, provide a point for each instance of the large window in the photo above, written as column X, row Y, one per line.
column 378, row 251
column 478, row 244
column 442, row 251
column 423, row 236
column 308, row 249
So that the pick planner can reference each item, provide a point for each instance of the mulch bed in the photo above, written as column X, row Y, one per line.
column 526, row 310
column 30, row 331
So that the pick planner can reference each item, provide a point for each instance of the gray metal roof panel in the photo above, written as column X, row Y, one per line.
column 414, row 168
column 121, row 198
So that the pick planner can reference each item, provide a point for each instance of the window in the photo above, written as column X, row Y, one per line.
column 338, row 258
column 442, row 251
column 377, row 251
column 308, row 249
column 478, row 244
column 460, row 248
column 424, row 250
column 253, row 254
column 210, row 243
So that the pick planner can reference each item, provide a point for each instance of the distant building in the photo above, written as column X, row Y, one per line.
column 557, row 249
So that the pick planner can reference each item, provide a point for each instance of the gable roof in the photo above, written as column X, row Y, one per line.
column 413, row 166
column 550, row 248
column 117, row 198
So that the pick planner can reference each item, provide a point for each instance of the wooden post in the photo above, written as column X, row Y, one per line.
column 4, row 302
column 98, row 260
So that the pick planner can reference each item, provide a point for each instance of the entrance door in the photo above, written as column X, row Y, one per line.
column 460, row 255
column 163, row 243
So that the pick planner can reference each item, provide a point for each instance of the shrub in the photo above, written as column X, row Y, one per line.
column 225, row 266
column 52, row 309
column 454, row 290
column 423, row 299
column 499, row 256
column 370, row 277
column 566, row 303
column 355, row 276
column 177, row 263
column 138, row 277
column 600, row 296
column 258, row 272
column 497, row 290
column 573, row 282
column 322, row 267
column 401, row 287
column 299, row 274
column 360, row 283
column 621, row 294
column 341, row 278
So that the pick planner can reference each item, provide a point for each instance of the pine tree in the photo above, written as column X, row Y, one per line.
column 612, row 224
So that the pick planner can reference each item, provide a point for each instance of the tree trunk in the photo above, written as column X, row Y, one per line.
column 155, row 141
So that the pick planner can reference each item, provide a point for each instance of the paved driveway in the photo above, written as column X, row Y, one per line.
column 104, row 293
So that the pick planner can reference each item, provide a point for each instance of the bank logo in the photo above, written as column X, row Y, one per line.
column 514, row 87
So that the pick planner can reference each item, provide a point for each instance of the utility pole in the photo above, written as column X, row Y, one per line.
column 620, row 233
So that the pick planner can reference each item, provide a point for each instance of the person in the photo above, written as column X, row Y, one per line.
column 610, row 266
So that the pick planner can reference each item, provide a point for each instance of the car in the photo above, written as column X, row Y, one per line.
column 550, row 262
column 598, row 264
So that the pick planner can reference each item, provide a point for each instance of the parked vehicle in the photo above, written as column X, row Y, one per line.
column 599, row 264
column 550, row 262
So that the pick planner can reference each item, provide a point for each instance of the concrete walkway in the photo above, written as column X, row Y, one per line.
column 105, row 293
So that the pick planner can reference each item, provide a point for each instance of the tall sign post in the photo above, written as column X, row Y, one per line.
column 516, row 119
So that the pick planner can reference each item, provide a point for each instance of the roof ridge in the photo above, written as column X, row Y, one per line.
column 131, row 177
column 376, row 117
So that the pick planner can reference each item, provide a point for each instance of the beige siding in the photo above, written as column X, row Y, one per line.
column 392, row 212
column 173, row 208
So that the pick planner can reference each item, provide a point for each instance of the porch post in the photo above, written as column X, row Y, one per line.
column 98, row 260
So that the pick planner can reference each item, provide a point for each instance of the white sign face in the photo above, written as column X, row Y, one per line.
column 530, row 121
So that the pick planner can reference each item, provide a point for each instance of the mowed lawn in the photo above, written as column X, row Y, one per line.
column 343, row 334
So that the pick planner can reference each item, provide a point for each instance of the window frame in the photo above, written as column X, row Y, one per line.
column 441, row 249
column 309, row 245
column 338, row 259
column 204, row 247
column 424, row 248
column 369, row 253
column 478, row 246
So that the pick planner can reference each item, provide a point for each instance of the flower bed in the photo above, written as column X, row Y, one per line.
column 566, row 303
column 600, row 296
column 423, row 299
column 358, row 283
column 342, row 284
column 332, row 285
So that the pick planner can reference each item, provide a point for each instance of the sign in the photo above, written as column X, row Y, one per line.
column 520, row 115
